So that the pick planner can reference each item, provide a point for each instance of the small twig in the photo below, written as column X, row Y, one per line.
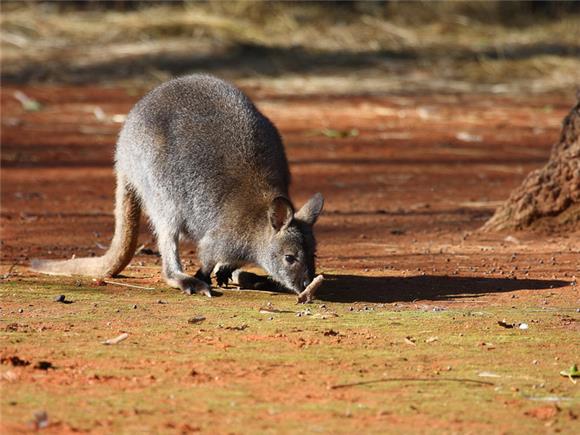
column 117, row 339
column 375, row 381
column 266, row 310
column 131, row 266
column 262, row 292
column 9, row 273
column 308, row 294
column 122, row 284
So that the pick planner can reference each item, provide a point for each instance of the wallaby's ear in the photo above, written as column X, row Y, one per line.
column 281, row 213
column 311, row 210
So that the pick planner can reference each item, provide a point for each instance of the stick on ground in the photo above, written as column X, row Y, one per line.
column 122, row 284
column 117, row 339
column 374, row 381
column 308, row 294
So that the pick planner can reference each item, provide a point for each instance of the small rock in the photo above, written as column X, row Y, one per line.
column 523, row 326
column 20, row 310
column 60, row 298
column 135, row 306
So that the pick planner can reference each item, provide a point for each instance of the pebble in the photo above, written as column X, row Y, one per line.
column 20, row 310
column 59, row 298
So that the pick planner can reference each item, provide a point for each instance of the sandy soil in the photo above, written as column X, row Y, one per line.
column 408, row 180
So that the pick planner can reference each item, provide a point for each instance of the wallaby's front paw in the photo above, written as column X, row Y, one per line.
column 224, row 275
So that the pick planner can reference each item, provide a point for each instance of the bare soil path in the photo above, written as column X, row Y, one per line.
column 413, row 297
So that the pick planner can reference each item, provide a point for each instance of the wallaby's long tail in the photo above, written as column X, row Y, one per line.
column 121, row 251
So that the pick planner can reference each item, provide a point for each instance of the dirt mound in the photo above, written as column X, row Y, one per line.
column 550, row 196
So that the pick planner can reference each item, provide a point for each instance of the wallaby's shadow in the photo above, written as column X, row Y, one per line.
column 353, row 288
column 385, row 289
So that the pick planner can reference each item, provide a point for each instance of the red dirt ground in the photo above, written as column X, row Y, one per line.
column 405, row 195
column 402, row 195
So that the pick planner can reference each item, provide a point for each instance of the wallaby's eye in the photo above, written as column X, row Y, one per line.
column 290, row 259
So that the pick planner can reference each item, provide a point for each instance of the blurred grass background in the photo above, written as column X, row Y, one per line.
column 350, row 46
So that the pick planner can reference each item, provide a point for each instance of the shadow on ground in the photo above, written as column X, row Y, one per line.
column 387, row 289
column 353, row 288
column 256, row 58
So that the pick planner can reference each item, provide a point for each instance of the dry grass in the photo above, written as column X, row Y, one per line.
column 466, row 42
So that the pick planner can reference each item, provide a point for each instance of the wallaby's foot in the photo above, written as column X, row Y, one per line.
column 205, row 277
column 190, row 285
column 224, row 275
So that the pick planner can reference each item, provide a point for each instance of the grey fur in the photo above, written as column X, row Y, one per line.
column 206, row 164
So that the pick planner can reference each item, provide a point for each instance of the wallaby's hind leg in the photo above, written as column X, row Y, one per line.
column 172, row 269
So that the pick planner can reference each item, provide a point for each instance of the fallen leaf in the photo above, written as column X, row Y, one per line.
column 196, row 319
column 323, row 316
column 512, row 239
column 339, row 134
column 488, row 375
column 28, row 104
column 271, row 310
column 468, row 137
column 504, row 324
column 331, row 333
column 571, row 373
column 237, row 328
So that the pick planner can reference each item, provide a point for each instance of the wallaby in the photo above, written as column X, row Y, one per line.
column 205, row 163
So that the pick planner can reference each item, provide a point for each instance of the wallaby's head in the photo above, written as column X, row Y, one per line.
column 289, row 256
